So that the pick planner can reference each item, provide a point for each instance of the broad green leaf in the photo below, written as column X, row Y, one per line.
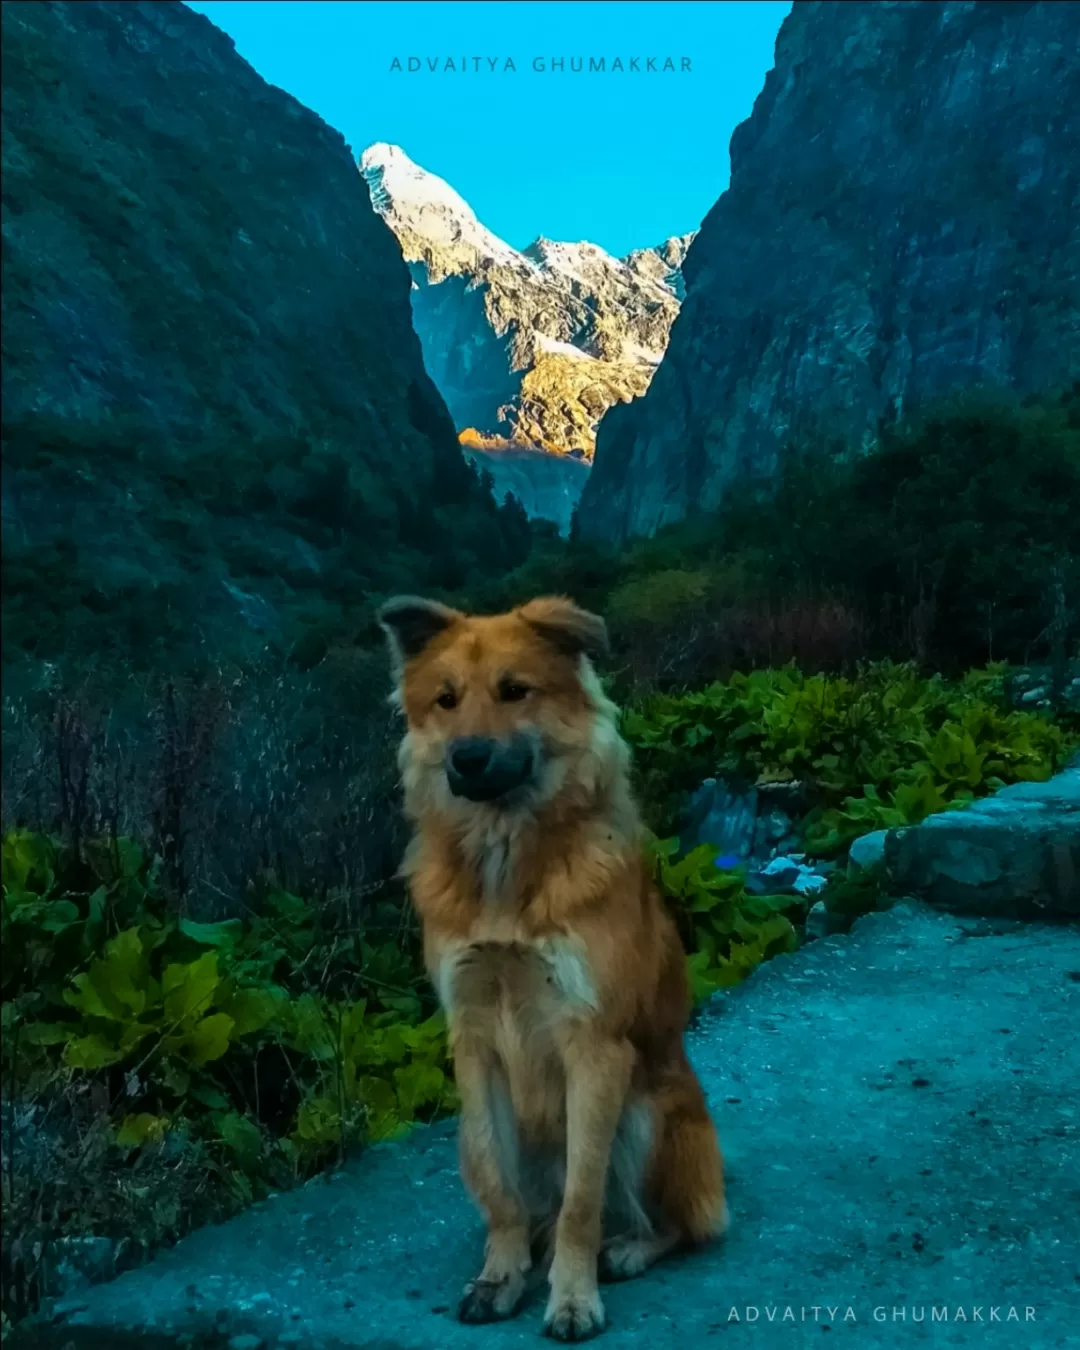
column 242, row 1137
column 121, row 976
column 288, row 906
column 224, row 934
column 702, row 982
column 378, row 1095
column 91, row 1001
column 189, row 989
column 131, row 856
column 58, row 915
column 418, row 1085
column 209, row 1096
column 250, row 1009
column 48, row 1033
column 318, row 1123
column 209, row 1039
column 140, row 1129
column 90, row 1052
column 28, row 860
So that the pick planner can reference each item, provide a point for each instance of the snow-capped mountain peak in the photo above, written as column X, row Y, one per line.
column 577, row 262
column 413, row 200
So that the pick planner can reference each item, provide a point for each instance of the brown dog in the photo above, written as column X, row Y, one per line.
column 562, row 975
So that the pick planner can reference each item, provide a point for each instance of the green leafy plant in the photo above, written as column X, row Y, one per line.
column 885, row 747
column 174, row 1016
column 726, row 931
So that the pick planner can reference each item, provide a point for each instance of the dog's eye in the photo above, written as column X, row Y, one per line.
column 512, row 692
column 447, row 699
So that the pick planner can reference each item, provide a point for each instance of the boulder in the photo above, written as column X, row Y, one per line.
column 723, row 817
column 744, row 825
column 787, row 876
column 1015, row 854
column 866, row 852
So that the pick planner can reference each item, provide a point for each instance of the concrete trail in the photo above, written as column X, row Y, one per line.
column 900, row 1113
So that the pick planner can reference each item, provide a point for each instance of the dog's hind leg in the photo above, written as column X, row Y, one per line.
column 625, row 1257
column 648, row 1235
column 489, row 1165
column 685, row 1185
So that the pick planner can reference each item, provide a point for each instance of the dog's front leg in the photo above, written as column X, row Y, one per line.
column 597, row 1080
column 488, row 1165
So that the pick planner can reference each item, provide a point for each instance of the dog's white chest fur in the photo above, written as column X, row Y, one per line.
column 500, row 967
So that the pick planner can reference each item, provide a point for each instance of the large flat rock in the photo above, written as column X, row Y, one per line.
column 1016, row 853
column 900, row 1113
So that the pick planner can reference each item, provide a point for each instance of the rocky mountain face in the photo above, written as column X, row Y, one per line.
column 901, row 225
column 195, row 283
column 548, row 486
column 529, row 348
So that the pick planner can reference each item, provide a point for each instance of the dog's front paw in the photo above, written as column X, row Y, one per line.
column 575, row 1317
column 491, row 1300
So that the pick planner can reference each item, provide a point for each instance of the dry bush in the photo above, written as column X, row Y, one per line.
column 706, row 642
column 228, row 778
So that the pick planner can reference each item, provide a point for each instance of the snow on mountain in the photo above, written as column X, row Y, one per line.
column 412, row 199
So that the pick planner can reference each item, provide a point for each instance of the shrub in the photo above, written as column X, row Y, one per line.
column 884, row 748
column 216, row 1059
column 726, row 932
column 957, row 541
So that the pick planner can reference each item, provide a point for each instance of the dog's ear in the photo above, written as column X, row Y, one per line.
column 574, row 631
column 410, row 623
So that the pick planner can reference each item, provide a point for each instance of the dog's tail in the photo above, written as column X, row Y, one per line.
column 687, row 1174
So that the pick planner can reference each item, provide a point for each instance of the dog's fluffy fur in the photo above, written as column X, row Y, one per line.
column 561, row 973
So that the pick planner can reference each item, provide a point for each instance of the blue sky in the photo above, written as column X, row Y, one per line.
column 624, row 160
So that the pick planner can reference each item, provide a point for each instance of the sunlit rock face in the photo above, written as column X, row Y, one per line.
column 902, row 224
column 547, row 486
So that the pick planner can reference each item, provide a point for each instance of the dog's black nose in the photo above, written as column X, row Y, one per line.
column 482, row 769
column 471, row 755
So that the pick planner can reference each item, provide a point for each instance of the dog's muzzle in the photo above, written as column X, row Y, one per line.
column 485, row 770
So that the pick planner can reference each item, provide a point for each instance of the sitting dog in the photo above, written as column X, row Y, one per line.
column 561, row 974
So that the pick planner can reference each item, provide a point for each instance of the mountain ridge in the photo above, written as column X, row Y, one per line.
column 901, row 226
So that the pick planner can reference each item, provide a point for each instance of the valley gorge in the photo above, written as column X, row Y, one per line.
column 257, row 381
column 528, row 347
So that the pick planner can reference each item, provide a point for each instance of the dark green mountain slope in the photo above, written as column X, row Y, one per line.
column 216, row 418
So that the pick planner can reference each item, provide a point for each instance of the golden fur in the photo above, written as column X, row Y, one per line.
column 561, row 973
